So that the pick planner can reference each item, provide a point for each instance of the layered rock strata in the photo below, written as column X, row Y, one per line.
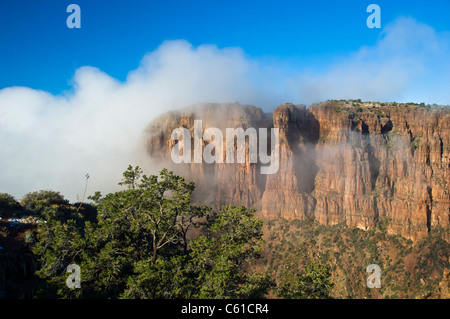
column 340, row 161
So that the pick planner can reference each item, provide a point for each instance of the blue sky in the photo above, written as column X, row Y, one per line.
column 77, row 101
column 37, row 49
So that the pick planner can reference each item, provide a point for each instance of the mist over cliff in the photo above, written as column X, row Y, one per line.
column 340, row 161
column 51, row 141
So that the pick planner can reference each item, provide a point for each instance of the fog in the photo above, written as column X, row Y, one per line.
column 51, row 141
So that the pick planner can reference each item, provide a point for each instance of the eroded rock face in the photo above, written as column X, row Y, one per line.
column 339, row 162
column 216, row 184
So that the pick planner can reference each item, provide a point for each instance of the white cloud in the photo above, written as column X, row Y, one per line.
column 51, row 142
column 408, row 61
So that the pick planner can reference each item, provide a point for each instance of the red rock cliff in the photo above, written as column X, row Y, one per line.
column 340, row 161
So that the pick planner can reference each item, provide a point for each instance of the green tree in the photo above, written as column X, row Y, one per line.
column 131, row 177
column 313, row 282
column 138, row 245
column 60, row 243
column 169, row 277
column 139, row 229
column 153, row 213
column 222, row 256
column 131, row 227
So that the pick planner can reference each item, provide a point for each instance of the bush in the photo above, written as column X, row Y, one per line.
column 38, row 201
column 9, row 207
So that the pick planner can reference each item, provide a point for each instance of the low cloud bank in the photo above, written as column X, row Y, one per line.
column 51, row 142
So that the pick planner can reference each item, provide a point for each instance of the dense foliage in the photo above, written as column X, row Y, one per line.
column 139, row 245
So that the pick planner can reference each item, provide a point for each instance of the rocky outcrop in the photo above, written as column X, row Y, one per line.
column 394, row 163
column 340, row 161
column 216, row 184
column 288, row 193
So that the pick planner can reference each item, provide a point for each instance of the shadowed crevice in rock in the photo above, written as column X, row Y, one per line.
column 374, row 165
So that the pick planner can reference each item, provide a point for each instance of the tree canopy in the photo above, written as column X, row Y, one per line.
column 138, row 245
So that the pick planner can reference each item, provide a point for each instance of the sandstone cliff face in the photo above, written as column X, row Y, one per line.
column 339, row 162
column 288, row 193
column 386, row 162
column 216, row 184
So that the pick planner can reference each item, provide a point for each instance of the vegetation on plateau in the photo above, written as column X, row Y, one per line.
column 408, row 269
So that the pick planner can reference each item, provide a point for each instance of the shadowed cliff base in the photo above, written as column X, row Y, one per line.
column 340, row 161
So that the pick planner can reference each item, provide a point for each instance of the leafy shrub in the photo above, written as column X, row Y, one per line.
column 9, row 207
column 38, row 201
